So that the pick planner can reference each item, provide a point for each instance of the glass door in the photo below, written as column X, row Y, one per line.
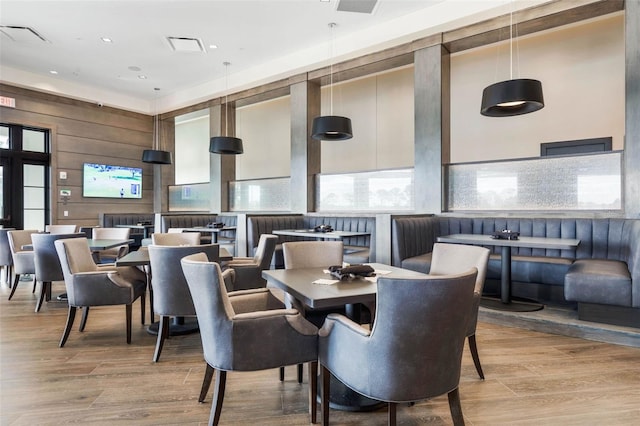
column 5, row 193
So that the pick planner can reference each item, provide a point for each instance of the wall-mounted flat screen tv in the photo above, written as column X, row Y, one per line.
column 106, row 181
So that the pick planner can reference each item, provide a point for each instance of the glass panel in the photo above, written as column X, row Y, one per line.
column 33, row 198
column 189, row 198
column 581, row 182
column 260, row 195
column 2, row 192
column 33, row 140
column 34, row 175
column 4, row 137
column 383, row 190
column 34, row 219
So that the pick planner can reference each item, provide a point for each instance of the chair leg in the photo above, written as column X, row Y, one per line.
column 455, row 407
column 142, row 308
column 218, row 398
column 163, row 332
column 325, row 376
column 282, row 374
column 313, row 390
column 206, row 382
column 33, row 287
column 85, row 315
column 474, row 354
column 392, row 414
column 128, row 309
column 44, row 290
column 14, row 286
column 147, row 271
column 71, row 315
column 300, row 373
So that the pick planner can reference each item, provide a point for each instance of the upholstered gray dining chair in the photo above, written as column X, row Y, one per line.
column 249, row 269
column 414, row 350
column 47, row 262
column 171, row 296
column 23, row 263
column 112, row 254
column 90, row 285
column 449, row 259
column 233, row 327
column 175, row 238
column 6, row 260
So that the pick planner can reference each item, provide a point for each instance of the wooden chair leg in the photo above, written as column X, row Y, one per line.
column 47, row 295
column 206, row 383
column 85, row 315
column 43, row 293
column 152, row 318
column 128, row 309
column 34, row 282
column 14, row 286
column 218, row 398
column 163, row 332
column 313, row 391
column 474, row 354
column 325, row 377
column 71, row 315
column 300, row 373
column 282, row 374
column 142, row 308
column 455, row 407
column 392, row 413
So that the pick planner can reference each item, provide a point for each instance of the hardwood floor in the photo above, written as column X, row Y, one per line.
column 532, row 378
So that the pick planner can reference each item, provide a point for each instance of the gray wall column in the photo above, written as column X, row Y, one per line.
column 632, row 110
column 432, row 139
column 222, row 168
column 164, row 175
column 305, row 152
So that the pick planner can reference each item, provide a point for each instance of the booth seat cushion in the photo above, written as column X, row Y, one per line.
column 420, row 263
column 532, row 269
column 599, row 281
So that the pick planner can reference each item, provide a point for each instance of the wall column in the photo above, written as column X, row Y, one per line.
column 432, row 136
column 222, row 168
column 164, row 174
column 305, row 152
column 632, row 110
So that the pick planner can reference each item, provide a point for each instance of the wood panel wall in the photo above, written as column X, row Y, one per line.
column 85, row 132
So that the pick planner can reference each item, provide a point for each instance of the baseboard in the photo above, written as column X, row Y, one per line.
column 609, row 314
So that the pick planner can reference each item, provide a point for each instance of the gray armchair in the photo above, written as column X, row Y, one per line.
column 248, row 270
column 171, row 296
column 6, row 260
column 23, row 262
column 233, row 328
column 414, row 349
column 47, row 262
column 112, row 254
column 449, row 259
column 89, row 284
column 175, row 238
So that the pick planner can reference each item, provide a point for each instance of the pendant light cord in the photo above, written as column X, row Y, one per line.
column 511, row 44
column 226, row 97
column 156, row 136
column 332, row 26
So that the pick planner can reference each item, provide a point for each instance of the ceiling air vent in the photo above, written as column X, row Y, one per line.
column 358, row 6
column 21, row 34
column 186, row 44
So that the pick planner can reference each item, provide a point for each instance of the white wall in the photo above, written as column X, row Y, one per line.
column 191, row 158
column 265, row 130
column 581, row 68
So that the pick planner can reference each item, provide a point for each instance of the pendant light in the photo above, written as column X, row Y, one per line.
column 512, row 97
column 331, row 127
column 226, row 144
column 155, row 155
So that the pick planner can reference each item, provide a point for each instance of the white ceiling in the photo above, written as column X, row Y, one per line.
column 264, row 40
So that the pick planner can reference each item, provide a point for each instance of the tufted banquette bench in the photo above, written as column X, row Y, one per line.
column 110, row 220
column 602, row 275
column 356, row 249
column 226, row 239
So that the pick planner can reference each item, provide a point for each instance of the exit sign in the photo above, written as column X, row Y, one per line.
column 7, row 102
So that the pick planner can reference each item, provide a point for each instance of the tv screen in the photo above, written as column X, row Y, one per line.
column 106, row 181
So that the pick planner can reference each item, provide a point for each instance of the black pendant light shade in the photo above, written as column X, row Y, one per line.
column 225, row 145
column 512, row 97
column 331, row 128
column 155, row 156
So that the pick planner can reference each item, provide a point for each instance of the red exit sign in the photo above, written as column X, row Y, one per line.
column 7, row 102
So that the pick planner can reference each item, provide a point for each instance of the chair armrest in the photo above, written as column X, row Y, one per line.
column 252, row 301
column 241, row 260
column 341, row 320
column 265, row 314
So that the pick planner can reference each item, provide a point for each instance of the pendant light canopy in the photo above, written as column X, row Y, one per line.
column 156, row 156
column 226, row 144
column 331, row 127
column 514, row 96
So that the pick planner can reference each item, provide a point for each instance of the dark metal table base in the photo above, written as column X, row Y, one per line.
column 513, row 305
column 342, row 397
column 177, row 327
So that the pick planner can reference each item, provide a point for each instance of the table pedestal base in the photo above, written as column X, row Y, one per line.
column 515, row 305
column 177, row 327
column 342, row 397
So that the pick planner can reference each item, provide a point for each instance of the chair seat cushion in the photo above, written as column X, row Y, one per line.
column 421, row 263
column 600, row 281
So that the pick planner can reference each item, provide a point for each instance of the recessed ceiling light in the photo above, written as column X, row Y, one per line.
column 142, row 77
column 106, row 40
column 213, row 46
column 53, row 72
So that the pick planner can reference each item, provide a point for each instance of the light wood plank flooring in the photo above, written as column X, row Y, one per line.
column 533, row 378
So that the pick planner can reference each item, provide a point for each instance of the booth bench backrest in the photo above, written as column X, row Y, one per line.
column 110, row 220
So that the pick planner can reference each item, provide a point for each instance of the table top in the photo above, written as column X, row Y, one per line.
column 299, row 283
column 310, row 233
column 95, row 244
column 530, row 242
column 149, row 226
column 141, row 257
column 205, row 229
